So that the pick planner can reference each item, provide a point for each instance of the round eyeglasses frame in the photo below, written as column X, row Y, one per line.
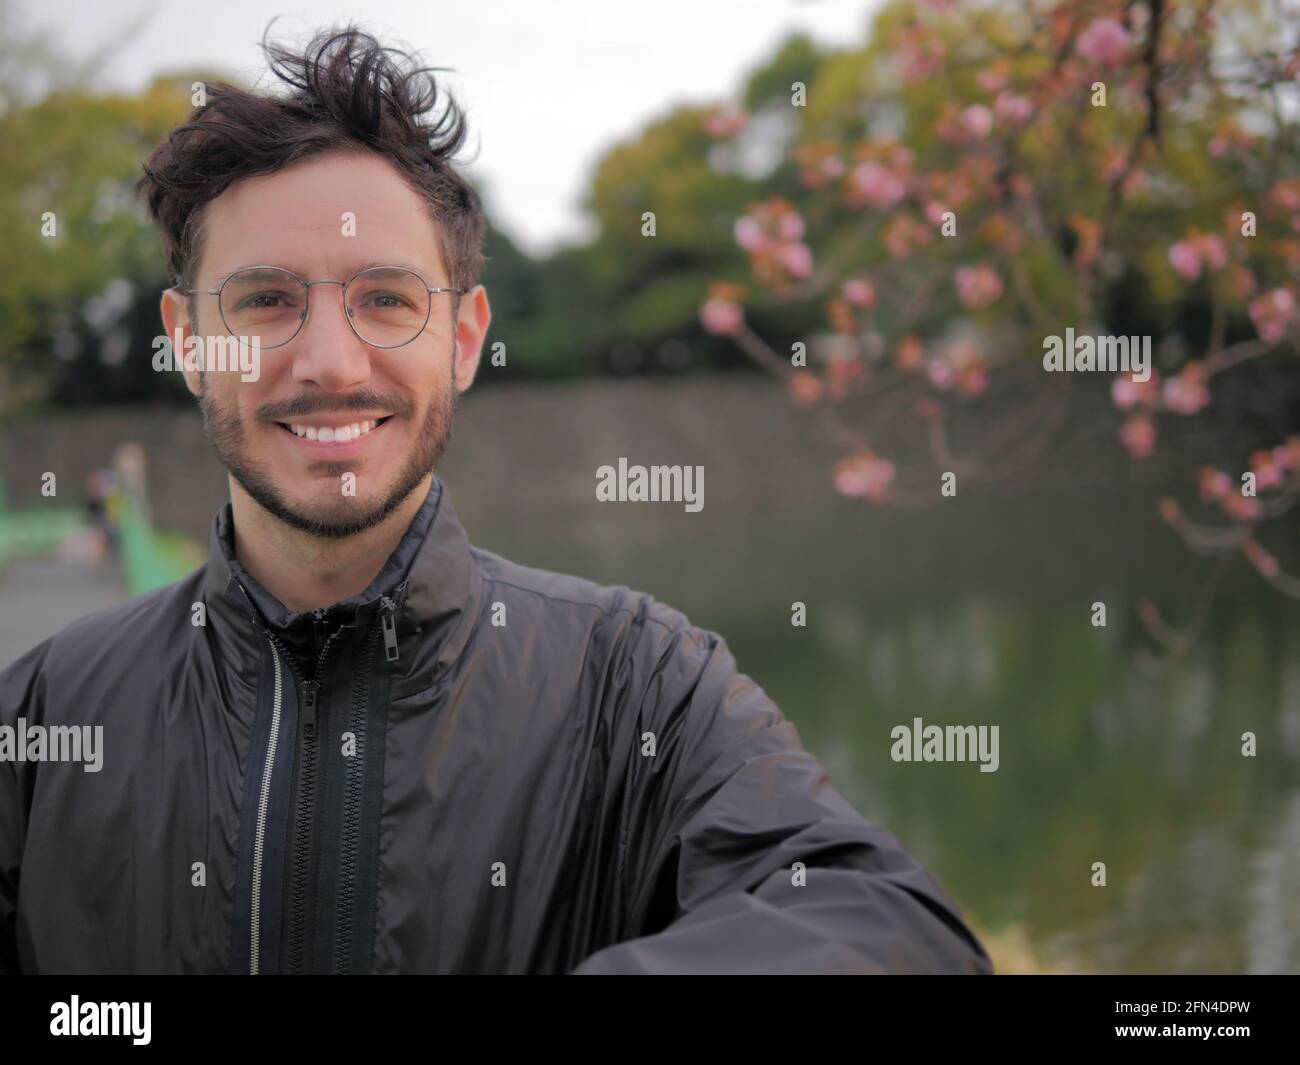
column 347, row 311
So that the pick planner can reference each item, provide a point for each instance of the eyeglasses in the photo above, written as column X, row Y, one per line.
column 386, row 306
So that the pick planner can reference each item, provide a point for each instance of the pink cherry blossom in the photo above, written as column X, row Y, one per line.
column 725, row 122
column 978, row 120
column 1213, row 251
column 1138, row 435
column 1243, row 508
column 1272, row 313
column 1228, row 137
column 1269, row 467
column 805, row 388
column 1104, row 41
column 832, row 166
column 1127, row 393
column 1268, row 472
column 922, row 55
column 751, row 236
column 1185, row 259
column 977, row 286
column 1288, row 454
column 863, row 475
column 941, row 374
column 721, row 317
column 1012, row 109
column 934, row 211
column 1214, row 484
column 878, row 186
column 790, row 226
column 1286, row 194
column 901, row 159
column 1124, row 392
column 904, row 233
column 1185, row 393
column 860, row 292
column 797, row 258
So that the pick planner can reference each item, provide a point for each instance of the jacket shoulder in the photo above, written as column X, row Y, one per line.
column 608, row 606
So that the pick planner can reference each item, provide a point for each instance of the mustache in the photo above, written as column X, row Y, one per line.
column 307, row 403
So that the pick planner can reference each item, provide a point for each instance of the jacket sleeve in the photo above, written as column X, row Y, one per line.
column 21, row 695
column 738, row 856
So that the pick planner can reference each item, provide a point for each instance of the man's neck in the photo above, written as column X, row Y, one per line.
column 307, row 572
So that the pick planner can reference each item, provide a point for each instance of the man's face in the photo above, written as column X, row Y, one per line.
column 327, row 377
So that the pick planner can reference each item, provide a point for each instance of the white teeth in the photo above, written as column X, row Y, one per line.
column 340, row 435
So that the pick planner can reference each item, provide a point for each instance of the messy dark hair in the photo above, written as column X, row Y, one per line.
column 348, row 93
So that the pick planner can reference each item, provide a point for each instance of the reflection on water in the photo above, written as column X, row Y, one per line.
column 981, row 614
column 986, row 619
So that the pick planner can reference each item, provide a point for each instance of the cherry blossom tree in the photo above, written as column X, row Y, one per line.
column 1000, row 172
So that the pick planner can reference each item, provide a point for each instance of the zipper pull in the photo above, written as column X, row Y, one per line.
column 309, row 706
column 386, row 611
column 318, row 623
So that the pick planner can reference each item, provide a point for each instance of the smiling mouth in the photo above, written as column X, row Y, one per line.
column 333, row 434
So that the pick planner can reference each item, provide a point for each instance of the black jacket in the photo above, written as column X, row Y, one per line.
column 470, row 767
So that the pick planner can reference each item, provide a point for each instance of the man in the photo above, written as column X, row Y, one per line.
column 352, row 742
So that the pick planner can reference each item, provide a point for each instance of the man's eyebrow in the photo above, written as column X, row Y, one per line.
column 420, row 270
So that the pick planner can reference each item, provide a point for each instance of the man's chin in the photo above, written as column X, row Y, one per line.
column 337, row 520
column 329, row 519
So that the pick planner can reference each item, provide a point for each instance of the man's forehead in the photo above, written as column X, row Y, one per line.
column 303, row 192
column 335, row 212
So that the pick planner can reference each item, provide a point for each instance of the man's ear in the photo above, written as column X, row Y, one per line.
column 471, row 330
column 176, row 317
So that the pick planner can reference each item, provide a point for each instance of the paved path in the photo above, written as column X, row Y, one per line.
column 38, row 597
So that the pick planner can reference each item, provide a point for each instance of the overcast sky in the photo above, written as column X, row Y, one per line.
column 548, row 84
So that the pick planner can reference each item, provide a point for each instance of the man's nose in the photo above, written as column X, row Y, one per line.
column 327, row 353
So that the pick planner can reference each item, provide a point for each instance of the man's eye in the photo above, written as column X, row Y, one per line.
column 263, row 301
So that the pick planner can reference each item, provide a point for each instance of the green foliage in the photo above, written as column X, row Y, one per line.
column 77, row 152
column 77, row 155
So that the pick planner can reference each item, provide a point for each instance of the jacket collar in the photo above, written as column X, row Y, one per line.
column 432, row 579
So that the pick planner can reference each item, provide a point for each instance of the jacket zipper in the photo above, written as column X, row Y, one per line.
column 307, row 802
column 354, row 783
column 307, row 790
column 387, row 612
column 348, row 837
column 263, row 801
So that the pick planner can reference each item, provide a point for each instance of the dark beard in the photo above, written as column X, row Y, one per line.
column 225, row 431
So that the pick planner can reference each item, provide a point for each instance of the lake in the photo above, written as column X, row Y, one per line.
column 978, row 611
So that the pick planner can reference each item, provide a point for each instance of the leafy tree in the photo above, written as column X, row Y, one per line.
column 982, row 177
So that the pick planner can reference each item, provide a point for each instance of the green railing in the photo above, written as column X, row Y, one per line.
column 151, row 558
column 35, row 532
